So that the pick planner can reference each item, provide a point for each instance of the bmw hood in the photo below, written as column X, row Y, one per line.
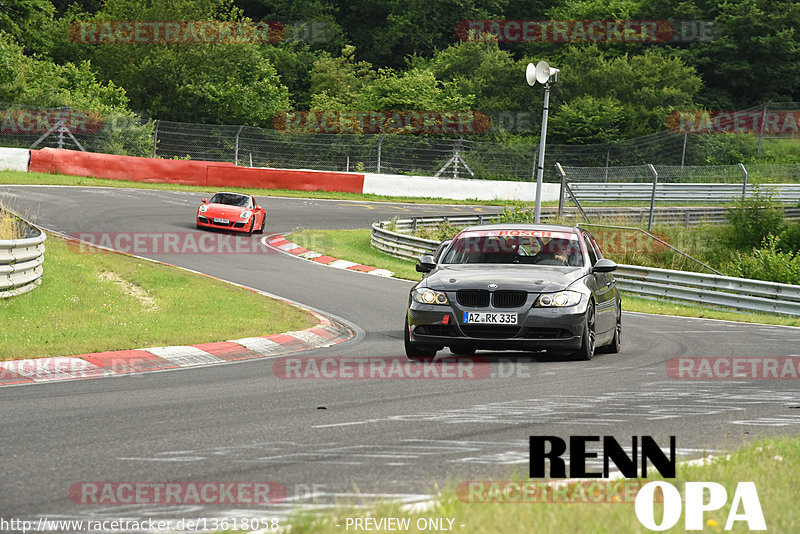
column 530, row 278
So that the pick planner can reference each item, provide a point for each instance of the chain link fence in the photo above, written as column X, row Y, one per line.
column 677, row 157
column 380, row 153
column 109, row 133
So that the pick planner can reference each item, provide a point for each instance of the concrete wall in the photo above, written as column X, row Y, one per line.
column 14, row 159
column 424, row 186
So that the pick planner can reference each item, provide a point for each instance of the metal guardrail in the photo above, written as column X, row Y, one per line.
column 21, row 263
column 400, row 245
column 680, row 192
column 725, row 291
column 680, row 215
column 698, row 288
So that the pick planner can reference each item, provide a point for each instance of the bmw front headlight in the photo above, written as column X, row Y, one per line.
column 203, row 208
column 246, row 214
column 558, row 300
column 429, row 296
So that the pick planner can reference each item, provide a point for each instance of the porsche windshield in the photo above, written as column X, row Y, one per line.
column 520, row 247
column 230, row 199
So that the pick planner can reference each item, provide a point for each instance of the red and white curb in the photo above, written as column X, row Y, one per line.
column 123, row 362
column 281, row 243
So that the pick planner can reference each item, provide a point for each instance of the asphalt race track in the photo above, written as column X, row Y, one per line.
column 397, row 438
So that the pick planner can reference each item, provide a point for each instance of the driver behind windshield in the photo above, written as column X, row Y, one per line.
column 513, row 249
column 231, row 200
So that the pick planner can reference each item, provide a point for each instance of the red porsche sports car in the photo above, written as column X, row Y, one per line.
column 232, row 211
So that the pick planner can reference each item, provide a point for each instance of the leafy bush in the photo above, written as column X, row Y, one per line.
column 767, row 263
column 444, row 230
column 790, row 238
column 515, row 216
column 752, row 219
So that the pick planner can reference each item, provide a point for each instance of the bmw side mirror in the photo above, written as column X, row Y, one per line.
column 205, row 201
column 604, row 266
column 426, row 264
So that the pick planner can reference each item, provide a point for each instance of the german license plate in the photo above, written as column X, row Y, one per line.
column 489, row 318
column 221, row 221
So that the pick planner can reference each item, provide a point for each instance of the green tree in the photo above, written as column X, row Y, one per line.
column 589, row 119
column 311, row 22
column 337, row 82
column 484, row 70
column 414, row 89
column 294, row 63
column 597, row 10
column 385, row 32
column 343, row 83
column 224, row 83
column 648, row 86
column 39, row 83
column 751, row 220
column 29, row 22
column 35, row 81
column 753, row 55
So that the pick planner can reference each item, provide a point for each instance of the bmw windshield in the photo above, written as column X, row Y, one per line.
column 529, row 247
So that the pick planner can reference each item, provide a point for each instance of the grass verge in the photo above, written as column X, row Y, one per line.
column 10, row 227
column 353, row 245
column 770, row 463
column 99, row 301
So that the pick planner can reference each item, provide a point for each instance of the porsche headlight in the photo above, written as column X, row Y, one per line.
column 246, row 214
column 429, row 296
column 560, row 299
column 203, row 208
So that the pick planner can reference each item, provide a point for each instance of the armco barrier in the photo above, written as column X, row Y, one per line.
column 714, row 290
column 723, row 291
column 680, row 215
column 677, row 192
column 21, row 263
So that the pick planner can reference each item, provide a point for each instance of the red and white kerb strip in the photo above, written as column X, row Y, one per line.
column 124, row 362
column 294, row 249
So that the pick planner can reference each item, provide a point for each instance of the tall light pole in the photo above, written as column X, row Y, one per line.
column 545, row 75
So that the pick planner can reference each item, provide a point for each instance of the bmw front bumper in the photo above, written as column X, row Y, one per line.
column 538, row 328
